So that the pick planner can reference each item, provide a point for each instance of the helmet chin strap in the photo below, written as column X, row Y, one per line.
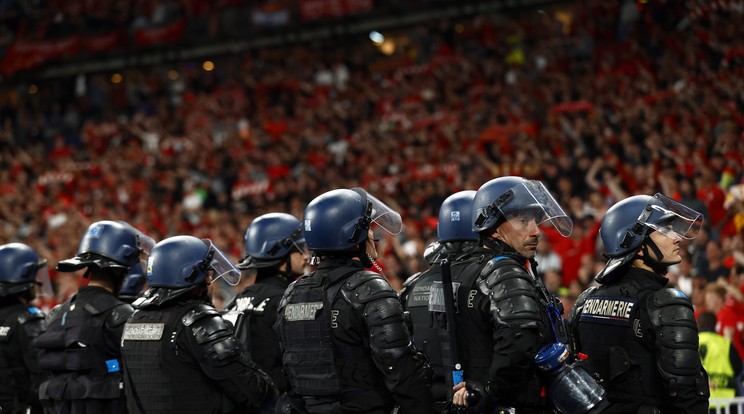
column 655, row 264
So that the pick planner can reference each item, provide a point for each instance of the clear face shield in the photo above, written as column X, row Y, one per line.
column 144, row 242
column 42, row 281
column 380, row 213
column 529, row 201
column 221, row 265
column 673, row 220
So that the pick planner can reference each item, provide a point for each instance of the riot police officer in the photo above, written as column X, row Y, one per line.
column 134, row 282
column 505, row 312
column 275, row 249
column 179, row 354
column 640, row 335
column 80, row 348
column 21, row 270
column 345, row 345
column 459, row 245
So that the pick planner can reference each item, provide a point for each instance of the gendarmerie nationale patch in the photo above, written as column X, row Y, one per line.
column 608, row 310
column 143, row 331
column 436, row 296
column 305, row 311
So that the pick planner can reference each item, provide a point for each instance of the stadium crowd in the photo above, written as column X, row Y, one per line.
column 599, row 101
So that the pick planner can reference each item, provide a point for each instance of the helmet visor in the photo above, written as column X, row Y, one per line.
column 42, row 281
column 221, row 265
column 380, row 213
column 530, row 200
column 144, row 242
column 674, row 219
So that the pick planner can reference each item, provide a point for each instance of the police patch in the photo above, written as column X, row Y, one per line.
column 608, row 310
column 454, row 216
column 143, row 331
column 436, row 296
column 95, row 232
column 302, row 311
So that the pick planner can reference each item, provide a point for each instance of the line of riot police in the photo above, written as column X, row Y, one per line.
column 476, row 332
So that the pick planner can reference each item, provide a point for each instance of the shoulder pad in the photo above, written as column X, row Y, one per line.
column 197, row 313
column 411, row 279
column 120, row 314
column 32, row 313
column 290, row 289
column 365, row 287
column 669, row 296
column 499, row 269
column 670, row 307
column 210, row 327
column 579, row 305
column 101, row 304
column 53, row 312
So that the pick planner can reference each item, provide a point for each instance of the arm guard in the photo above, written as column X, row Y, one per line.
column 676, row 345
column 222, row 358
column 406, row 373
column 513, row 295
column 377, row 302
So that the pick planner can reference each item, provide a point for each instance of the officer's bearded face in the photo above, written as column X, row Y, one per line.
column 522, row 234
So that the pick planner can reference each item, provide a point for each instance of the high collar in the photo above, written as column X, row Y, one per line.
column 644, row 275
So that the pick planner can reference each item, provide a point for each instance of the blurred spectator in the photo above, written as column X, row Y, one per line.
column 546, row 258
column 730, row 322
column 720, row 359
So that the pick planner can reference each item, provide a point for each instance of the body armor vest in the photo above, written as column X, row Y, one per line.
column 166, row 382
column 15, row 380
column 316, row 365
column 474, row 328
column 427, row 325
column 73, row 349
column 610, row 331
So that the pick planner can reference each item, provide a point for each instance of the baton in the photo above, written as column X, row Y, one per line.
column 449, row 309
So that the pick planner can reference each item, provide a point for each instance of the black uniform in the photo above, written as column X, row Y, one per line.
column 502, row 323
column 428, row 317
column 643, row 341
column 257, row 306
column 80, row 348
column 345, row 344
column 180, row 356
column 20, row 324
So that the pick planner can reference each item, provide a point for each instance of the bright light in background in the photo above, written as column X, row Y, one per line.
column 387, row 47
column 208, row 65
column 173, row 74
column 116, row 78
column 33, row 89
column 377, row 38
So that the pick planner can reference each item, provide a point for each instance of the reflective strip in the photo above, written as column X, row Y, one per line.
column 302, row 311
column 143, row 331
column 4, row 330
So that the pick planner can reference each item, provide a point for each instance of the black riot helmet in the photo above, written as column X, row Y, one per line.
column 627, row 224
